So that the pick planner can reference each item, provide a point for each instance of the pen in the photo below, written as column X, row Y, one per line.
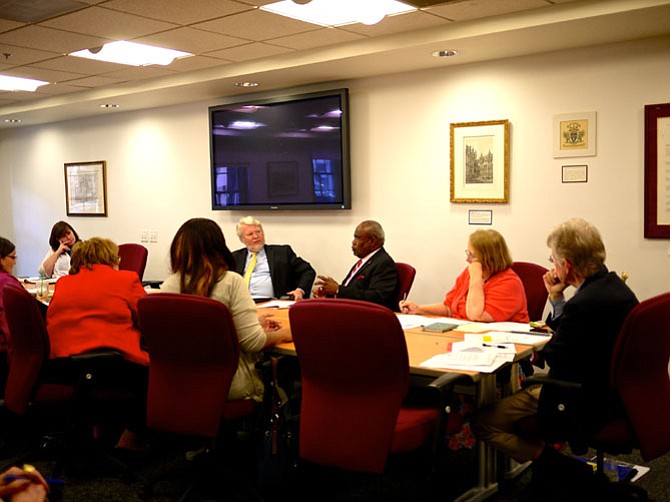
column 13, row 477
column 493, row 346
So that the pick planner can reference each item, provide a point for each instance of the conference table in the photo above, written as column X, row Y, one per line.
column 421, row 346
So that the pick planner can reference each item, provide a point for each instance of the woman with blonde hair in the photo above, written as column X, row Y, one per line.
column 487, row 290
column 203, row 265
column 94, row 308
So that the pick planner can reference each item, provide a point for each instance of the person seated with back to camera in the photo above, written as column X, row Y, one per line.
column 95, row 308
column 374, row 278
column 270, row 270
column 56, row 262
column 202, row 264
column 487, row 290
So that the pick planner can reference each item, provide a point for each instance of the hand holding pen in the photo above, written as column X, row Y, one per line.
column 23, row 485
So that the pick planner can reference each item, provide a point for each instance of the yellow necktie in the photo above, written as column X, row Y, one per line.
column 250, row 268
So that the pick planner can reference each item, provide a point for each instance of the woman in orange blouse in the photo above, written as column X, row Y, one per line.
column 487, row 290
column 95, row 307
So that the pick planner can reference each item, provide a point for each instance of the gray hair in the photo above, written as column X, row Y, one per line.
column 579, row 242
column 247, row 220
column 373, row 229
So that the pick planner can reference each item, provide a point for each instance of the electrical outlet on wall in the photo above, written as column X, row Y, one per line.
column 153, row 235
column 144, row 235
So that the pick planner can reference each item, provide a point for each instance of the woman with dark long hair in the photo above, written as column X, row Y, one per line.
column 203, row 265
column 56, row 262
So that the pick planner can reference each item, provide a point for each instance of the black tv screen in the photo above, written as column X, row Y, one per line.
column 281, row 152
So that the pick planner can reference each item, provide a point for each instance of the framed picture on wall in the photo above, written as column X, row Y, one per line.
column 480, row 161
column 86, row 188
column 657, row 171
column 575, row 134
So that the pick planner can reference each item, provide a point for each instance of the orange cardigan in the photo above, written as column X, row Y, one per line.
column 96, row 309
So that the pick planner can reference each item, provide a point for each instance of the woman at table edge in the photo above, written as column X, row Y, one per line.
column 487, row 290
column 56, row 262
column 202, row 264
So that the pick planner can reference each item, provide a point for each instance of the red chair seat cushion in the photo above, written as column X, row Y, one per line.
column 413, row 428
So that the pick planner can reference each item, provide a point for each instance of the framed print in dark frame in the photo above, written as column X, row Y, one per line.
column 86, row 188
column 657, row 171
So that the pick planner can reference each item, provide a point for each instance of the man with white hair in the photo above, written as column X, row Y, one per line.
column 270, row 270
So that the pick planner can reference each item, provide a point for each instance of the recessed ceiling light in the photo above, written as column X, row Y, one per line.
column 131, row 53
column 8, row 83
column 109, row 105
column 246, row 84
column 13, row 121
column 445, row 54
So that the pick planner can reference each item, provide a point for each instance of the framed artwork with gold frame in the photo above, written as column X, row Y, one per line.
column 86, row 188
column 479, row 154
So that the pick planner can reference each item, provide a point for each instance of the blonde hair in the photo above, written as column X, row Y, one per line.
column 492, row 250
column 94, row 251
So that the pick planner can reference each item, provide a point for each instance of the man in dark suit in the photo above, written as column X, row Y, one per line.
column 585, row 330
column 270, row 270
column 374, row 278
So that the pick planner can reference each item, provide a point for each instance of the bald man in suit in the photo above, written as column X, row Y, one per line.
column 373, row 278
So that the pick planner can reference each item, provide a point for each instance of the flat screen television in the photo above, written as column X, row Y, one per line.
column 281, row 152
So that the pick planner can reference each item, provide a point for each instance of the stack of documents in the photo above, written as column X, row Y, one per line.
column 485, row 358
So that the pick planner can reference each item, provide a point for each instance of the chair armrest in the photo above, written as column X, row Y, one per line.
column 97, row 355
column 551, row 381
column 447, row 381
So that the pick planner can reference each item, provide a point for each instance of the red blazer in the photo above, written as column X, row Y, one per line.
column 96, row 309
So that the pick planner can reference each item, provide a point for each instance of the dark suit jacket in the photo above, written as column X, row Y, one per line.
column 581, row 350
column 376, row 282
column 287, row 270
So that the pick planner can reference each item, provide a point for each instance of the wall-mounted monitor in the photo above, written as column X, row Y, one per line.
column 281, row 152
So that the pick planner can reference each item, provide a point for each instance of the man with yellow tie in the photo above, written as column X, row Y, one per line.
column 270, row 270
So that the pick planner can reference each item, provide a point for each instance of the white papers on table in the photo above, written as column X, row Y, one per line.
column 505, row 337
column 474, row 357
column 409, row 321
column 276, row 304
column 479, row 327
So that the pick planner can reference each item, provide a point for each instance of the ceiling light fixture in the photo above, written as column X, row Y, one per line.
column 109, row 105
column 246, row 84
column 131, row 53
column 8, row 83
column 338, row 12
column 13, row 121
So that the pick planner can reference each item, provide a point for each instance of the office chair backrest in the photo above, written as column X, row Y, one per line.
column 355, row 372
column 29, row 346
column 194, row 353
column 133, row 257
column 406, row 275
column 533, row 284
column 639, row 372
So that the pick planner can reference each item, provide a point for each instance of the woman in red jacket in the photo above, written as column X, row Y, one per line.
column 95, row 307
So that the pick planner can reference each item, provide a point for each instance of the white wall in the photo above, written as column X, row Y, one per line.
column 158, row 168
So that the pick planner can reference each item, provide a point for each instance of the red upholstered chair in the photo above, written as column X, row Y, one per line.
column 355, row 373
column 639, row 373
column 406, row 275
column 194, row 352
column 29, row 347
column 536, row 294
column 133, row 257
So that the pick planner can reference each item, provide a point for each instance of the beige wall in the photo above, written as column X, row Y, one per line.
column 158, row 168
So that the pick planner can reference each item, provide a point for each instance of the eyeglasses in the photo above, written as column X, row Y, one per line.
column 551, row 259
column 12, row 256
column 470, row 256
